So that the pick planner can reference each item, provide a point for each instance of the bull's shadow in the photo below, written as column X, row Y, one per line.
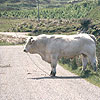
column 57, row 77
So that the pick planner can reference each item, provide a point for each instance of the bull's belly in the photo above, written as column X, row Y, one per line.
column 69, row 54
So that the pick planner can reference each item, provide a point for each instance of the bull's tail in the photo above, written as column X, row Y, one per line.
column 93, row 37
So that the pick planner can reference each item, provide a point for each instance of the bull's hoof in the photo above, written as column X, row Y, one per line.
column 52, row 74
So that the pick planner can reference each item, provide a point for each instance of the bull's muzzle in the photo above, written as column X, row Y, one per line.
column 25, row 50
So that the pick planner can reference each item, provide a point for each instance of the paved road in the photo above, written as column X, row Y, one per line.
column 20, row 79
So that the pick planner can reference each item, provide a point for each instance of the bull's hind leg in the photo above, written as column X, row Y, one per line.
column 53, row 66
column 84, row 62
column 93, row 61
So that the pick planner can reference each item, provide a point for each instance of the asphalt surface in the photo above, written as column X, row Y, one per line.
column 21, row 79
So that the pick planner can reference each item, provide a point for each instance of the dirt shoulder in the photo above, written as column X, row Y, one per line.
column 13, row 37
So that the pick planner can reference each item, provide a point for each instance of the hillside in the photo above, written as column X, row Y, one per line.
column 30, row 4
column 20, row 20
column 68, row 11
column 41, row 1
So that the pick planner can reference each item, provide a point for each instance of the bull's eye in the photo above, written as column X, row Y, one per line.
column 30, row 43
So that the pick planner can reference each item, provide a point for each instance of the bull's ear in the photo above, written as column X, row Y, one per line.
column 33, row 40
column 30, row 40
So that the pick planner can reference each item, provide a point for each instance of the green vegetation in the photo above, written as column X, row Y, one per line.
column 5, row 43
column 30, row 4
column 47, row 27
column 95, row 13
column 42, row 27
column 24, row 20
column 68, row 11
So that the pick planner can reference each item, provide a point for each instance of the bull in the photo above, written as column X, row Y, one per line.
column 53, row 47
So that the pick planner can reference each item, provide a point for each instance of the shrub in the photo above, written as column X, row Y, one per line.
column 85, row 22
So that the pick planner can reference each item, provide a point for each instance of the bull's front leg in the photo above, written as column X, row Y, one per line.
column 53, row 71
column 53, row 66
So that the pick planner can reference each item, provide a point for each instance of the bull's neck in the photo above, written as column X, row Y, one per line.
column 41, row 53
column 40, row 49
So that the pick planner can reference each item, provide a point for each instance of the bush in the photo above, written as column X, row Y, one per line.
column 85, row 22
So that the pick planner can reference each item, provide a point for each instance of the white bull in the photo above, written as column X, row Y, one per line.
column 53, row 47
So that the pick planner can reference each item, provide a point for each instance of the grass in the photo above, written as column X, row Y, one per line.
column 95, row 13
column 5, row 44
column 88, row 75
column 9, row 44
column 6, row 25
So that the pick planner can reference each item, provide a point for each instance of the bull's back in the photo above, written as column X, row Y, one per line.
column 62, row 44
column 73, row 45
column 65, row 44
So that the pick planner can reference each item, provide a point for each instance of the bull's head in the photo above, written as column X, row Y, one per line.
column 29, row 45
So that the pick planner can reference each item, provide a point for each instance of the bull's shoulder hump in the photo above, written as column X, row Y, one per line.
column 43, row 36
